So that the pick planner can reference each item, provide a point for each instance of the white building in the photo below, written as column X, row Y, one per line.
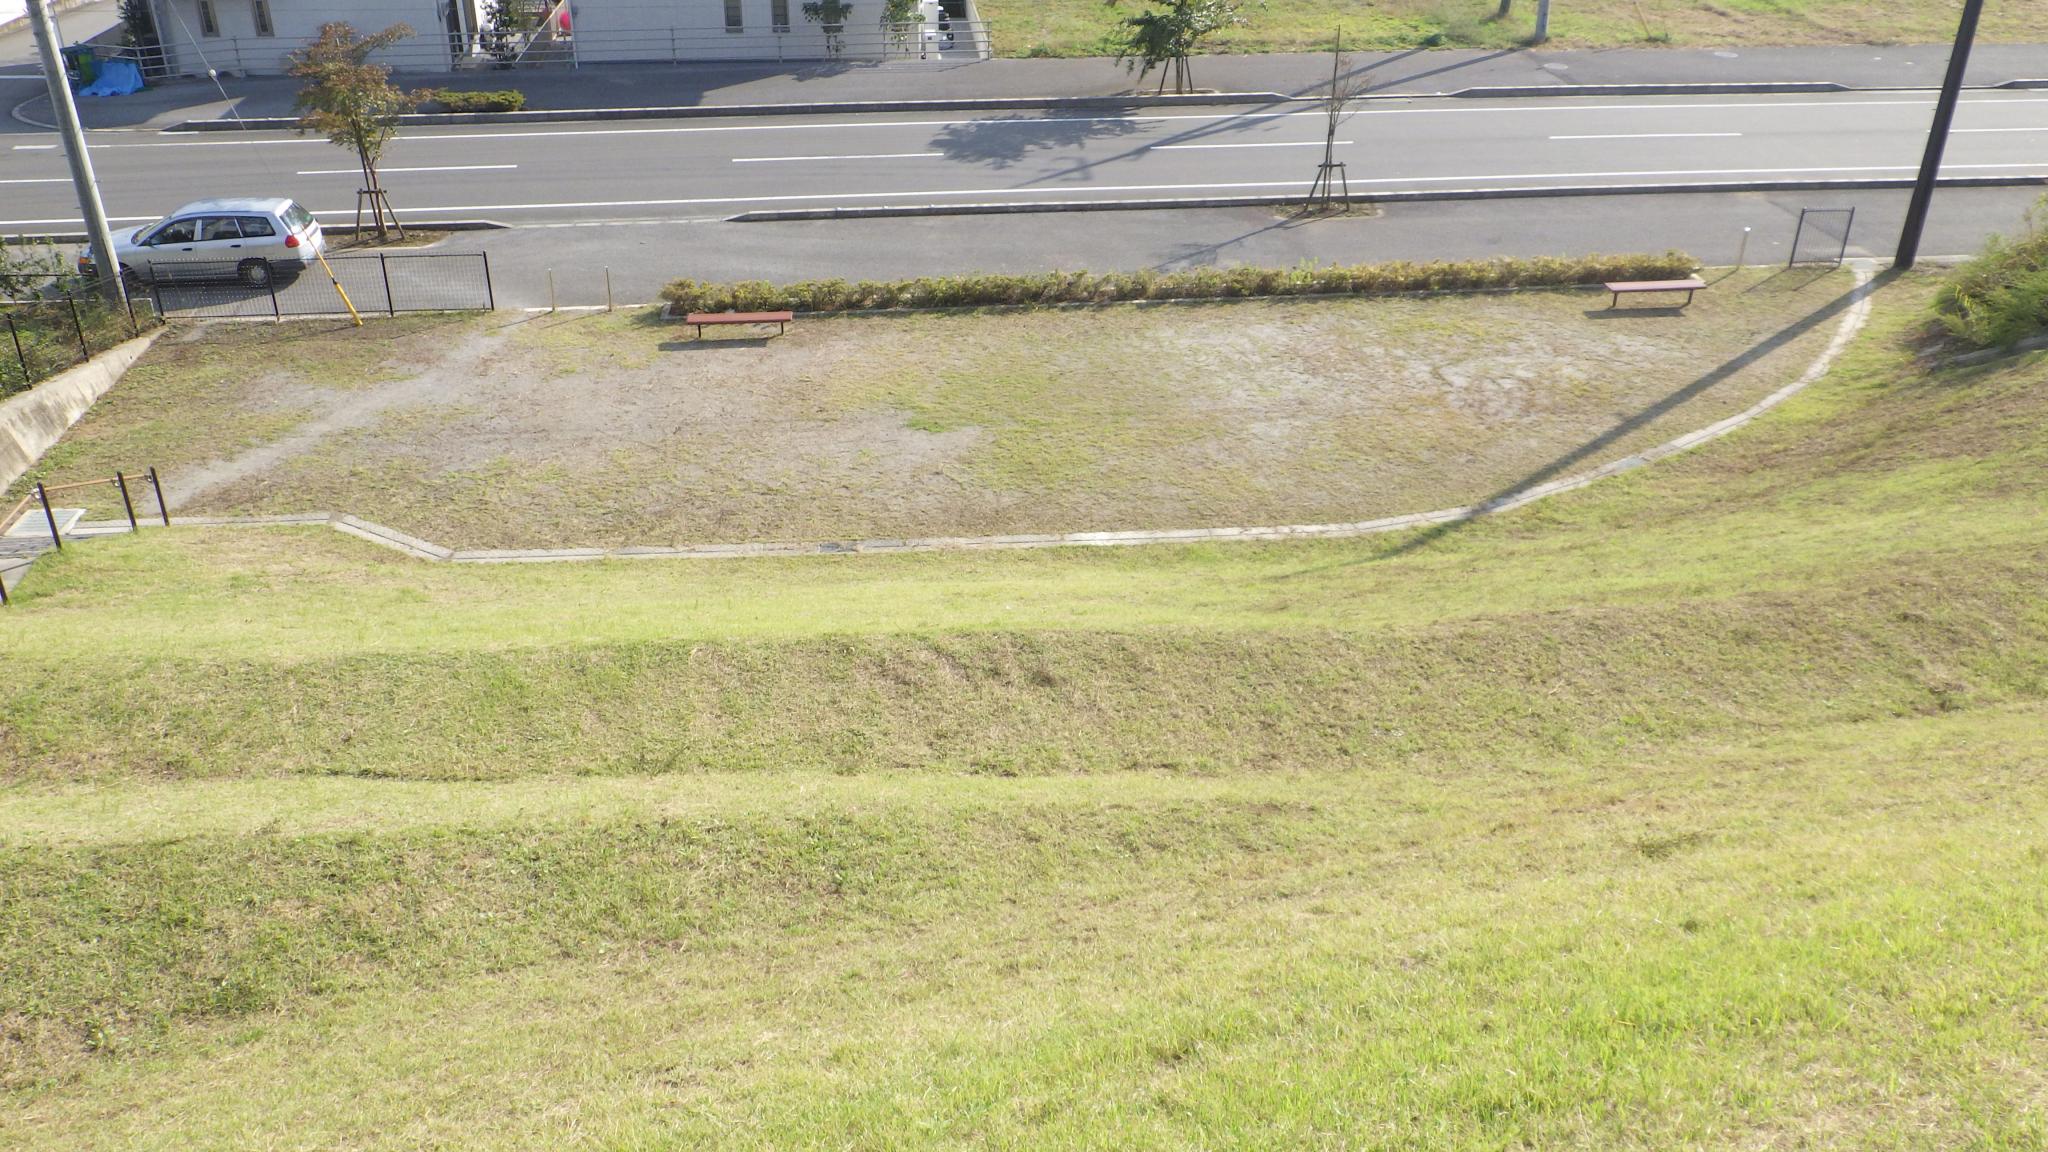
column 255, row 36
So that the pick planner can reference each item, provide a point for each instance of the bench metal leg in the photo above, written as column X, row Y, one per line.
column 1616, row 304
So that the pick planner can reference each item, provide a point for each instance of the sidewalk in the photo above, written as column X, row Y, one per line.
column 1416, row 72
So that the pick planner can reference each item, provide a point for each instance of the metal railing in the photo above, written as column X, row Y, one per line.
column 49, row 324
column 39, row 498
column 378, row 282
column 553, row 44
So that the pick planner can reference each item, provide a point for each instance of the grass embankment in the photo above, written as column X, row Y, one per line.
column 1085, row 27
column 1703, row 809
column 621, row 430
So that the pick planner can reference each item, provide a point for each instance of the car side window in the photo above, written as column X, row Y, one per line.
column 256, row 226
column 219, row 228
column 176, row 232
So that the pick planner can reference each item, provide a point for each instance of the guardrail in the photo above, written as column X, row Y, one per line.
column 557, row 45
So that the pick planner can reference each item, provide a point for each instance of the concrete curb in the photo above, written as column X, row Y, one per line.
column 1710, row 88
column 334, row 229
column 1422, row 196
column 815, row 108
column 1852, row 323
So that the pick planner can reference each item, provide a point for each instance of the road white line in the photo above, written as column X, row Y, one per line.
column 450, row 168
column 43, row 180
column 2037, row 129
column 1204, row 147
column 869, row 156
column 34, row 147
column 1578, row 106
column 2040, row 168
column 1652, row 136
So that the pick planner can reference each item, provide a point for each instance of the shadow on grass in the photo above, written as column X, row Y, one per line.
column 1667, row 312
column 1593, row 448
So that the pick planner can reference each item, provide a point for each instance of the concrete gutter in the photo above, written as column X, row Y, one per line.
column 1421, row 196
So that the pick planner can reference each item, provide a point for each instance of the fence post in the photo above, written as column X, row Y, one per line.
column 276, row 309
column 490, row 295
column 551, row 292
column 84, row 350
column 384, row 266
column 162, row 509
column 608, row 288
column 121, row 482
column 49, row 517
column 18, row 353
column 156, row 295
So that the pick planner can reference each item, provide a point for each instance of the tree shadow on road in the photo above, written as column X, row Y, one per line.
column 1004, row 141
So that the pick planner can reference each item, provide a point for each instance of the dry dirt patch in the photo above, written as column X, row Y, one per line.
column 619, row 429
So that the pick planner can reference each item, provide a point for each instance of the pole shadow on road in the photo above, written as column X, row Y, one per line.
column 1591, row 449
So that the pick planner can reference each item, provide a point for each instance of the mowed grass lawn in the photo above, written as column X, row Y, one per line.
column 622, row 430
column 1086, row 27
column 1702, row 809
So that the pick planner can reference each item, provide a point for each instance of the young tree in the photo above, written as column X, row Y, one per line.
column 1169, row 32
column 352, row 101
column 1345, row 87
column 139, row 24
column 832, row 14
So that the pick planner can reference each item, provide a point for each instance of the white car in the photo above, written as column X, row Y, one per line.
column 255, row 241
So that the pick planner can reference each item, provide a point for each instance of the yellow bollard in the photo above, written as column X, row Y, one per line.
column 336, row 281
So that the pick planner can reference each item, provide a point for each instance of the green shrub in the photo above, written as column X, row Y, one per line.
column 2001, row 297
column 503, row 100
column 989, row 289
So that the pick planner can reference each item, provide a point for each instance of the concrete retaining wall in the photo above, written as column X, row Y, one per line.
column 31, row 423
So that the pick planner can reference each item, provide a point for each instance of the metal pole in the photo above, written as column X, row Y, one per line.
column 607, row 288
column 78, row 326
column 82, row 180
column 1937, row 137
column 1742, row 253
column 384, row 266
column 490, row 293
column 56, row 537
column 121, row 482
column 1542, row 22
column 18, row 353
column 162, row 509
column 551, row 292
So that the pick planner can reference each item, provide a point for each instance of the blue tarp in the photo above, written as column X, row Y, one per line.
column 117, row 78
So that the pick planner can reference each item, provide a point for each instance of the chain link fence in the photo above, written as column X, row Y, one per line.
column 379, row 283
column 49, row 324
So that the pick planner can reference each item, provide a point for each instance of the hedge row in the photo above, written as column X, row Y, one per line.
column 1193, row 284
column 503, row 100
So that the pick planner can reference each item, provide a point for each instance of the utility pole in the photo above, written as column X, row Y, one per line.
column 1937, row 138
column 1542, row 22
column 95, row 213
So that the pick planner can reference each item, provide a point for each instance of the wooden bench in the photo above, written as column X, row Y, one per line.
column 1688, row 286
column 781, row 320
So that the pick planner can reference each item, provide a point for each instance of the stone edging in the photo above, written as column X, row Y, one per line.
column 1851, row 325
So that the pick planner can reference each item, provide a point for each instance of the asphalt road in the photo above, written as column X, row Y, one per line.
column 587, row 173
column 648, row 199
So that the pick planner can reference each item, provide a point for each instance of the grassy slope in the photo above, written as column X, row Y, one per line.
column 1704, row 809
column 1081, row 27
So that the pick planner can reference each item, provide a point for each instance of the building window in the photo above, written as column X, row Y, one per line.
column 261, row 10
column 208, row 25
column 735, row 19
column 781, row 15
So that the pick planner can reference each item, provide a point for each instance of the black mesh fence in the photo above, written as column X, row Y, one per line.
column 58, row 324
column 1822, row 236
column 376, row 284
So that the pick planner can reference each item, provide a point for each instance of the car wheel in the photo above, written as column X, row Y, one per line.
column 255, row 273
